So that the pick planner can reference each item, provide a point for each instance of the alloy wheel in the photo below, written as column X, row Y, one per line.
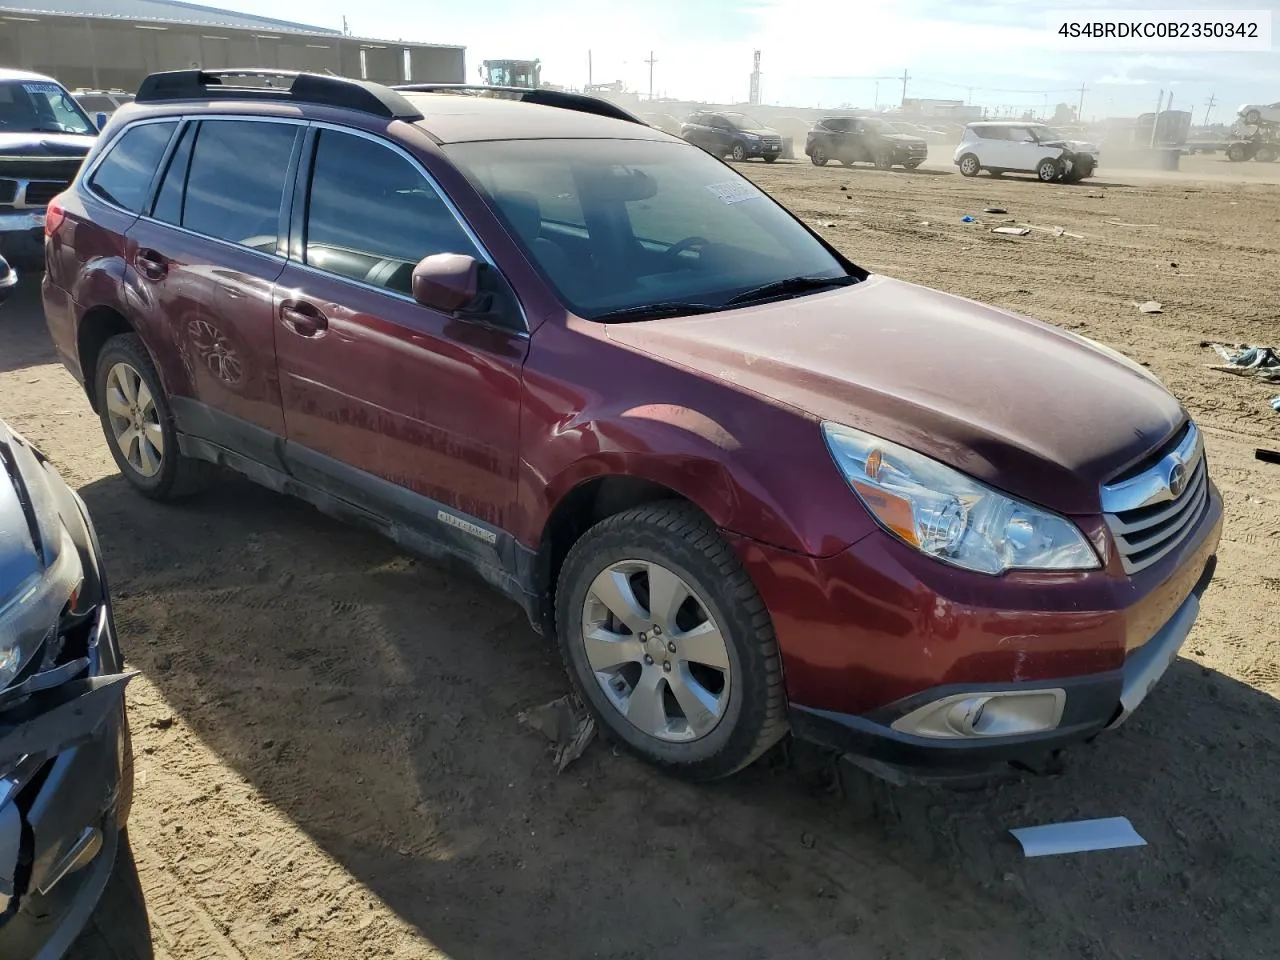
column 656, row 651
column 135, row 420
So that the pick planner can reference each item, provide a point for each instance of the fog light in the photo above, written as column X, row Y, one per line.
column 975, row 716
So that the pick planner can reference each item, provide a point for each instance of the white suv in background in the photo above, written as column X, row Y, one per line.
column 1001, row 146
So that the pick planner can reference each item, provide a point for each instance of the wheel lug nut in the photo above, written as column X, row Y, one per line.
column 644, row 638
column 657, row 630
column 671, row 648
column 648, row 660
column 666, row 666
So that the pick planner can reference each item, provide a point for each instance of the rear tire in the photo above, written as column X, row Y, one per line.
column 738, row 153
column 139, row 429
column 725, row 664
column 969, row 165
column 819, row 156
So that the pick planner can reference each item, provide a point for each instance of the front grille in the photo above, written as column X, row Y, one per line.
column 40, row 168
column 8, row 191
column 1147, row 518
column 40, row 192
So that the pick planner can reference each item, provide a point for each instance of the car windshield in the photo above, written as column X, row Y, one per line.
column 40, row 106
column 743, row 122
column 1047, row 133
column 618, row 225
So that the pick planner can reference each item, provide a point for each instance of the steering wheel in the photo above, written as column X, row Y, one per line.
column 688, row 243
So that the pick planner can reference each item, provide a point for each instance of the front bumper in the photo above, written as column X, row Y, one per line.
column 1094, row 702
column 61, row 815
column 22, row 238
column 871, row 634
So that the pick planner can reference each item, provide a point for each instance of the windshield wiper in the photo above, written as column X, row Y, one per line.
column 654, row 311
column 790, row 285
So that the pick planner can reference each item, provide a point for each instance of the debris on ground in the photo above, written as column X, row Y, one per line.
column 1275, row 404
column 1266, row 456
column 994, row 210
column 1078, row 836
column 1151, row 306
column 1058, row 232
column 1117, row 223
column 968, row 219
column 1011, row 231
column 1246, row 361
column 566, row 723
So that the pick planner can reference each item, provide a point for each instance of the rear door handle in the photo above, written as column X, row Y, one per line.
column 304, row 319
column 150, row 264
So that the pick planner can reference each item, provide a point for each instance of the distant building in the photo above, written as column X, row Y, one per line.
column 106, row 44
column 948, row 109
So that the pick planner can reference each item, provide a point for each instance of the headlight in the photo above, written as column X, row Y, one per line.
column 947, row 515
column 32, row 612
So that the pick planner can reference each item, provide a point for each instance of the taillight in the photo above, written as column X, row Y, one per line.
column 54, row 214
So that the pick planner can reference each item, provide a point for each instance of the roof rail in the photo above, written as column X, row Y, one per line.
column 314, row 88
column 547, row 98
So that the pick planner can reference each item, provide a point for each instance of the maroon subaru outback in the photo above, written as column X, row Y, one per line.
column 751, row 487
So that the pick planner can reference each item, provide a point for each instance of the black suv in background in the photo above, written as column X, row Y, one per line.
column 866, row 139
column 733, row 135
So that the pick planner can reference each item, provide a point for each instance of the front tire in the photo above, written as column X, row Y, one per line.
column 771, row 159
column 1266, row 154
column 701, row 694
column 1048, row 170
column 138, row 423
column 969, row 165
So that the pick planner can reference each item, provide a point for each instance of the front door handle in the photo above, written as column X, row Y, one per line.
column 304, row 319
column 150, row 264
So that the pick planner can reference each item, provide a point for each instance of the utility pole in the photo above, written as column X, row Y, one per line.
column 1209, row 105
column 1080, row 108
column 651, row 61
column 1155, row 122
column 905, row 78
column 969, row 102
column 877, row 96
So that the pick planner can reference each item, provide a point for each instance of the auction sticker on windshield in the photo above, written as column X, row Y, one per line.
column 48, row 89
column 733, row 191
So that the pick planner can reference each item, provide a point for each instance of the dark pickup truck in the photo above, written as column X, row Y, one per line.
column 44, row 137
column 866, row 139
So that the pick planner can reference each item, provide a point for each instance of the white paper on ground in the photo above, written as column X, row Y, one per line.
column 1078, row 836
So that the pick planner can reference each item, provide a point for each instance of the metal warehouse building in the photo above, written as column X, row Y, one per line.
column 115, row 43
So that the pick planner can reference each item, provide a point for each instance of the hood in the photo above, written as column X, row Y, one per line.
column 19, row 557
column 1021, row 405
column 1075, row 146
column 16, row 144
column 905, row 138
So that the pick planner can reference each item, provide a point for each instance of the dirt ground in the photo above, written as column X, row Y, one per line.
column 330, row 764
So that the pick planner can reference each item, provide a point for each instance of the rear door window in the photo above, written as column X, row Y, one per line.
column 124, row 176
column 169, row 199
column 237, row 181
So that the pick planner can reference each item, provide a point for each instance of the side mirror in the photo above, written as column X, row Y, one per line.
column 8, row 279
column 100, row 120
column 447, row 282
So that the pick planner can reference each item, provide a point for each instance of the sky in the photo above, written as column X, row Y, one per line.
column 823, row 53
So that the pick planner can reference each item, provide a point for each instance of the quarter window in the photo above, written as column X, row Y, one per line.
column 124, row 175
column 372, row 215
column 237, row 180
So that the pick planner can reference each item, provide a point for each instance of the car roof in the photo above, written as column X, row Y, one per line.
column 7, row 74
column 461, row 118
column 1006, row 123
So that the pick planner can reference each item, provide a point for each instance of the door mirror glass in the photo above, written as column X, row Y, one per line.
column 446, row 281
